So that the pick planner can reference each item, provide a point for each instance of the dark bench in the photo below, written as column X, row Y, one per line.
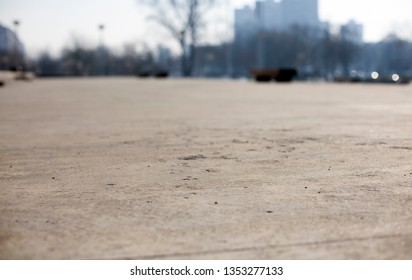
column 279, row 75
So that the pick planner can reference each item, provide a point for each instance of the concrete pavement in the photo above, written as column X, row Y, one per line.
column 204, row 169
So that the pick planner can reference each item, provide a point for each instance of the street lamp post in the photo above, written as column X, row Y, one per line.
column 229, row 46
column 101, row 51
column 101, row 31
column 16, row 58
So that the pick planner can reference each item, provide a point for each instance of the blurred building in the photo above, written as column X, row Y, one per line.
column 300, row 12
column 210, row 61
column 245, row 23
column 270, row 15
column 352, row 32
column 11, row 49
column 163, row 57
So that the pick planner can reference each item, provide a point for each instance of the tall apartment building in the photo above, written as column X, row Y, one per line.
column 300, row 12
column 270, row 15
column 245, row 22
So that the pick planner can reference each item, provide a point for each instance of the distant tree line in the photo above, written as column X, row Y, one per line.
column 79, row 60
column 391, row 55
column 314, row 53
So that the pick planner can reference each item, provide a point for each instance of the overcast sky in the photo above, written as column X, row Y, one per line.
column 50, row 24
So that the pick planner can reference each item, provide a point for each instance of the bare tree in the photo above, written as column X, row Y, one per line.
column 183, row 19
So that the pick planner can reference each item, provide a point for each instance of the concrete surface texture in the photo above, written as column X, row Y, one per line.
column 199, row 169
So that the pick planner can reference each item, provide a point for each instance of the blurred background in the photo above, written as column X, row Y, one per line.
column 322, row 39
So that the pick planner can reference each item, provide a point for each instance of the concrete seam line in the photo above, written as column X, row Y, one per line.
column 260, row 248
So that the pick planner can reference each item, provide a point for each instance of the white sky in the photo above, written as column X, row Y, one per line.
column 50, row 24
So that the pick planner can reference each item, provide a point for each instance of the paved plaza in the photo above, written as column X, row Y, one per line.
column 122, row 168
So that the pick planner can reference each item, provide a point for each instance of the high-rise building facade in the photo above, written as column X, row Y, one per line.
column 245, row 23
column 269, row 15
column 300, row 12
